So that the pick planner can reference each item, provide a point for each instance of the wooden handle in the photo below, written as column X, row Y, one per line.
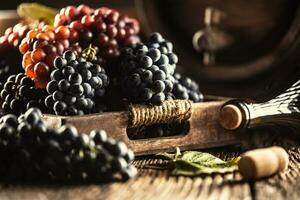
column 167, row 112
column 204, row 129
column 204, row 132
column 230, row 117
column 264, row 162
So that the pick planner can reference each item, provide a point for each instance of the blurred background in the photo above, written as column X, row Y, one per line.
column 232, row 47
column 58, row 4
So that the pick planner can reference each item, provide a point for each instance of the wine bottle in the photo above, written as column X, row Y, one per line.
column 283, row 110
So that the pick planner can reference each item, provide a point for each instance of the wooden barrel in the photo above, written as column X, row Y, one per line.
column 253, row 45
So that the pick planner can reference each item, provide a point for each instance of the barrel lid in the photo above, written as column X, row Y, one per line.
column 227, row 43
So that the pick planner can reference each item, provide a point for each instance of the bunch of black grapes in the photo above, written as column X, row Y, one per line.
column 30, row 151
column 76, row 86
column 18, row 94
column 147, row 74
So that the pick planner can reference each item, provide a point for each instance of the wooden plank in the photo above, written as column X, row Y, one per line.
column 149, row 185
column 204, row 131
column 159, row 184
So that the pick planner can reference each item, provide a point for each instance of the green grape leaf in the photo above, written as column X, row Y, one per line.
column 193, row 163
column 33, row 12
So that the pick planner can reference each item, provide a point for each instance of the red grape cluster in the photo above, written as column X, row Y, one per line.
column 41, row 46
column 13, row 36
column 9, row 54
column 105, row 28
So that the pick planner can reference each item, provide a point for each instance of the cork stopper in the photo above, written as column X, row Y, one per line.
column 282, row 156
column 264, row 162
column 230, row 117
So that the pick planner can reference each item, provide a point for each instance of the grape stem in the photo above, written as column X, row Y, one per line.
column 89, row 53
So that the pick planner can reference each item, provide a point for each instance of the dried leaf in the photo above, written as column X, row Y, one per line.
column 33, row 12
column 193, row 163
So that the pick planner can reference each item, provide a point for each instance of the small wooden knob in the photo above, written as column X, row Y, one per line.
column 230, row 117
column 264, row 162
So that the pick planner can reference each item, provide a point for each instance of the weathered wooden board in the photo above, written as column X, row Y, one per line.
column 204, row 131
column 159, row 185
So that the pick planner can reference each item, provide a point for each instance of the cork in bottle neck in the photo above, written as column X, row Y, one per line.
column 234, row 115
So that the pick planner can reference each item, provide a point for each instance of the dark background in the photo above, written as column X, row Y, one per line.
column 12, row 4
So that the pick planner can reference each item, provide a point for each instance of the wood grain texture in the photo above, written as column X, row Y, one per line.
column 204, row 131
column 160, row 185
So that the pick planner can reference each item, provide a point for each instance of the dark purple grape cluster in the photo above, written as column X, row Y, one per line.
column 30, row 151
column 19, row 94
column 105, row 28
column 75, row 86
column 186, row 88
column 146, row 71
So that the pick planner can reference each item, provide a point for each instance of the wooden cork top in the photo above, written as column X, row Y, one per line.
column 264, row 162
column 230, row 117
column 282, row 156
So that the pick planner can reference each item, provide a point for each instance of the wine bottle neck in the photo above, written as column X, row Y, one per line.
column 269, row 114
column 283, row 110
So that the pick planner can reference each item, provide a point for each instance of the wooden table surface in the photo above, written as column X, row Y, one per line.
column 160, row 185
